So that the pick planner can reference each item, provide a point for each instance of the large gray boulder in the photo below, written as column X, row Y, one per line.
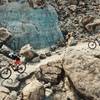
column 94, row 26
column 4, row 61
column 82, row 65
column 38, row 27
column 33, row 91
column 50, row 73
column 28, row 52
column 4, row 35
column 5, row 50
column 3, row 89
column 13, row 85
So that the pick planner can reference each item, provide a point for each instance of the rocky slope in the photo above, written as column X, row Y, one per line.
column 64, row 73
column 75, row 79
column 78, row 16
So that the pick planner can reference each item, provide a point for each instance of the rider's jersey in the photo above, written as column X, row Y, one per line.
column 17, row 62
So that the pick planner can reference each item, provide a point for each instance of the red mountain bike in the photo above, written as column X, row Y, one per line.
column 7, row 72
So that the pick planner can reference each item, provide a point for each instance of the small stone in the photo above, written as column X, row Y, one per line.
column 42, row 56
column 48, row 54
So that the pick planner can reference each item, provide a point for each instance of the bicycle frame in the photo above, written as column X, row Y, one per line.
column 12, row 66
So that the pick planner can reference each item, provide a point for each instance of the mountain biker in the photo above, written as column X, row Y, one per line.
column 15, row 58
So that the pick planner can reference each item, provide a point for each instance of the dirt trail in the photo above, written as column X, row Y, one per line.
column 83, row 47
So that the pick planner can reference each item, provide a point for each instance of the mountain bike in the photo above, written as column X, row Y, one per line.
column 5, row 73
column 93, row 44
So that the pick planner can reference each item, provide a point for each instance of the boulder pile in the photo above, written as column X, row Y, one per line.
column 79, row 16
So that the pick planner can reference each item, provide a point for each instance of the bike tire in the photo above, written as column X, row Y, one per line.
column 21, row 66
column 7, row 70
column 92, row 44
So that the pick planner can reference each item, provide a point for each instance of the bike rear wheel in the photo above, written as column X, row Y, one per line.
column 5, row 73
column 21, row 68
column 92, row 45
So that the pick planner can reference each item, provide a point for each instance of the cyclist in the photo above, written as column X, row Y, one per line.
column 15, row 58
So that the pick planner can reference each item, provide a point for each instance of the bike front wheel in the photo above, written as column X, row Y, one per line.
column 21, row 68
column 5, row 73
column 92, row 45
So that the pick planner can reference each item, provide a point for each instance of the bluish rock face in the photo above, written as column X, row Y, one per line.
column 38, row 27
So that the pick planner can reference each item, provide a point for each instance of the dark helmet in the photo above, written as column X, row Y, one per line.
column 14, row 56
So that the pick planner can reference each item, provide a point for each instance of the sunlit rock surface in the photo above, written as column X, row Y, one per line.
column 38, row 27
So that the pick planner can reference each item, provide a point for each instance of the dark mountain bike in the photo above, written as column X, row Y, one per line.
column 93, row 44
column 7, row 72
